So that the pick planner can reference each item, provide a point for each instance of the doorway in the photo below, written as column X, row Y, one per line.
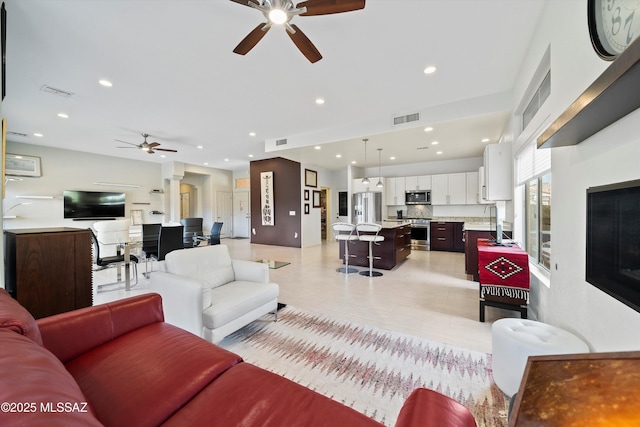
column 325, row 197
column 241, row 214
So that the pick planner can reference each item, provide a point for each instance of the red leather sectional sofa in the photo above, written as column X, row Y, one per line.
column 120, row 364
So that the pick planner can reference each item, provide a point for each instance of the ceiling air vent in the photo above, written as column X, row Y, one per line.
column 281, row 142
column 17, row 134
column 54, row 91
column 406, row 119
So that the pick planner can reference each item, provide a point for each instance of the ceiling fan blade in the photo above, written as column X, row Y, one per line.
column 327, row 7
column 304, row 44
column 125, row 142
column 153, row 144
column 245, row 2
column 252, row 39
column 166, row 149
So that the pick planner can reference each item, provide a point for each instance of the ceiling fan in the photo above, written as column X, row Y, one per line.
column 280, row 12
column 149, row 147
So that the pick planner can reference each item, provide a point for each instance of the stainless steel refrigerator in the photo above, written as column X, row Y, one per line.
column 367, row 207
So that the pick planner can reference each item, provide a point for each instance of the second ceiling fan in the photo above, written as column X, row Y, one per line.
column 280, row 12
column 149, row 147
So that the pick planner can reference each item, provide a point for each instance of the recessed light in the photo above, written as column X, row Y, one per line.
column 252, row 134
column 435, row 143
column 317, row 147
column 200, row 147
column 39, row 135
column 206, row 163
column 392, row 158
column 319, row 101
column 430, row 69
column 105, row 83
column 428, row 129
column 338, row 156
column 163, row 155
column 63, row 115
column 353, row 162
column 486, row 140
column 226, row 160
column 439, row 152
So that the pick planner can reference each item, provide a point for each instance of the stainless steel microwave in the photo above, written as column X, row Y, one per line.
column 422, row 197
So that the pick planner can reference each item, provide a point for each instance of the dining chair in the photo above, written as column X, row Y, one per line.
column 192, row 230
column 108, row 261
column 150, row 235
column 169, row 239
column 110, row 233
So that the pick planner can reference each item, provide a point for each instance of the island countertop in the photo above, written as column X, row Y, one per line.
column 394, row 249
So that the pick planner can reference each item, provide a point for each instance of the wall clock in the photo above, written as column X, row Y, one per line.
column 613, row 25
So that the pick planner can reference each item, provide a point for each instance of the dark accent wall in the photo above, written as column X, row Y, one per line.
column 286, row 198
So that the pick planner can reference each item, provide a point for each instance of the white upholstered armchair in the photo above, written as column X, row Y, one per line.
column 207, row 293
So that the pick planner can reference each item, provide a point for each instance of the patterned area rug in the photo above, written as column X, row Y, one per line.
column 369, row 369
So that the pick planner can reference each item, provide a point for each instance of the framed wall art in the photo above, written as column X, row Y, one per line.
column 316, row 199
column 266, row 198
column 310, row 178
column 18, row 165
column 306, row 208
column 306, row 195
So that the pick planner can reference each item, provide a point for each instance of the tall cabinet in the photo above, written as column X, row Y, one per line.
column 49, row 270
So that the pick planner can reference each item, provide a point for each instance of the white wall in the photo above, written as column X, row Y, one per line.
column 74, row 170
column 609, row 156
column 311, row 231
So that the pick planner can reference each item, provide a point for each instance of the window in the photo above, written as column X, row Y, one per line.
column 538, row 219
column 534, row 177
column 539, row 97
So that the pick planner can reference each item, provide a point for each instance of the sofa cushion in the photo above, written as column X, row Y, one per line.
column 16, row 318
column 211, row 264
column 143, row 377
column 234, row 299
column 36, row 380
column 246, row 395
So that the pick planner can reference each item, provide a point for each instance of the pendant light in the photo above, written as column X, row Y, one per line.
column 379, row 184
column 365, row 180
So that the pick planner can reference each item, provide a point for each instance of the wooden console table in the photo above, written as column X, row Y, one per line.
column 504, row 277
column 48, row 270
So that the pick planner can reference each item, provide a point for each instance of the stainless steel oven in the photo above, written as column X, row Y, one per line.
column 420, row 235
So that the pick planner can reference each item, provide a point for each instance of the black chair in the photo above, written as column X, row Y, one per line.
column 169, row 239
column 214, row 238
column 150, row 234
column 111, row 260
column 192, row 230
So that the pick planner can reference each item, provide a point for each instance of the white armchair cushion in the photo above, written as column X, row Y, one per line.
column 210, row 264
column 235, row 299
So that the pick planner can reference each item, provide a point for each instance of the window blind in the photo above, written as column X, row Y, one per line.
column 532, row 162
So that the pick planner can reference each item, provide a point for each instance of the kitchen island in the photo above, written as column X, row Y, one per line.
column 395, row 248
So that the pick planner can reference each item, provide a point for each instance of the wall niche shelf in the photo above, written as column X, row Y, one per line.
column 612, row 96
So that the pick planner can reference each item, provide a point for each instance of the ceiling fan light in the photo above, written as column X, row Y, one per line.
column 277, row 16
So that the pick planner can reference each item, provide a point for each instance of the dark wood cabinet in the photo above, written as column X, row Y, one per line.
column 395, row 248
column 447, row 236
column 471, row 249
column 49, row 270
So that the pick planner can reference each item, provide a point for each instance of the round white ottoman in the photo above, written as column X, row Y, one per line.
column 514, row 340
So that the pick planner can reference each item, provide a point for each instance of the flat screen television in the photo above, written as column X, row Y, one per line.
column 613, row 241
column 93, row 204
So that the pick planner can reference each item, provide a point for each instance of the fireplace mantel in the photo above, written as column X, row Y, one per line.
column 612, row 96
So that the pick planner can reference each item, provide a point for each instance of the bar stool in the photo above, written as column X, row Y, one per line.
column 368, row 232
column 340, row 230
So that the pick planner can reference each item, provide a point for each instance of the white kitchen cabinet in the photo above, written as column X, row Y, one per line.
column 420, row 182
column 394, row 189
column 482, row 188
column 498, row 172
column 473, row 196
column 449, row 189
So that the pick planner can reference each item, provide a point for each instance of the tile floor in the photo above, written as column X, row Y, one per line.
column 428, row 295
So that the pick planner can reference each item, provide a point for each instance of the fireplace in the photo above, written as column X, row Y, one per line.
column 613, row 241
